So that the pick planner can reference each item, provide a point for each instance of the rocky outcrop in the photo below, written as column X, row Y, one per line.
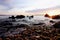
column 12, row 17
column 56, row 17
column 39, row 24
column 51, row 21
column 46, row 15
column 20, row 16
column 53, row 17
column 56, row 25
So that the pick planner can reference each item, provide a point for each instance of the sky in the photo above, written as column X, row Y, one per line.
column 21, row 6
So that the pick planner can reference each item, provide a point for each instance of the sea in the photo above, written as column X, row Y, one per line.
column 35, row 20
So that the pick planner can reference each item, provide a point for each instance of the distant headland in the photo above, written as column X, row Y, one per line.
column 53, row 17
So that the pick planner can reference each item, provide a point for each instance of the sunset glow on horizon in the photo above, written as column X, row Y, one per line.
column 53, row 12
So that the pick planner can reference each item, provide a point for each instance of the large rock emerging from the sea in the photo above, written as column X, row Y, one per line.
column 57, row 25
column 53, row 17
column 56, row 17
column 46, row 15
column 20, row 16
column 12, row 17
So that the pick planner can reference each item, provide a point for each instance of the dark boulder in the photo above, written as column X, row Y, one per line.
column 39, row 24
column 20, row 16
column 53, row 16
column 12, row 17
column 58, row 39
column 56, row 25
column 46, row 15
column 5, row 23
column 22, row 25
column 51, row 21
column 30, row 17
column 56, row 17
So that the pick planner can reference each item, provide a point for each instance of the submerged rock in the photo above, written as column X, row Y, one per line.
column 22, row 25
column 5, row 23
column 51, row 21
column 39, row 24
column 31, row 17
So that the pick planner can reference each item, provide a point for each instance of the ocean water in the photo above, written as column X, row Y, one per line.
column 38, row 18
column 35, row 20
column 35, row 17
column 3, row 17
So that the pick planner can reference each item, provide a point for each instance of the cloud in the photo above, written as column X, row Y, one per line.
column 14, row 7
column 56, row 10
column 17, row 11
column 5, row 4
column 35, row 4
column 30, row 4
